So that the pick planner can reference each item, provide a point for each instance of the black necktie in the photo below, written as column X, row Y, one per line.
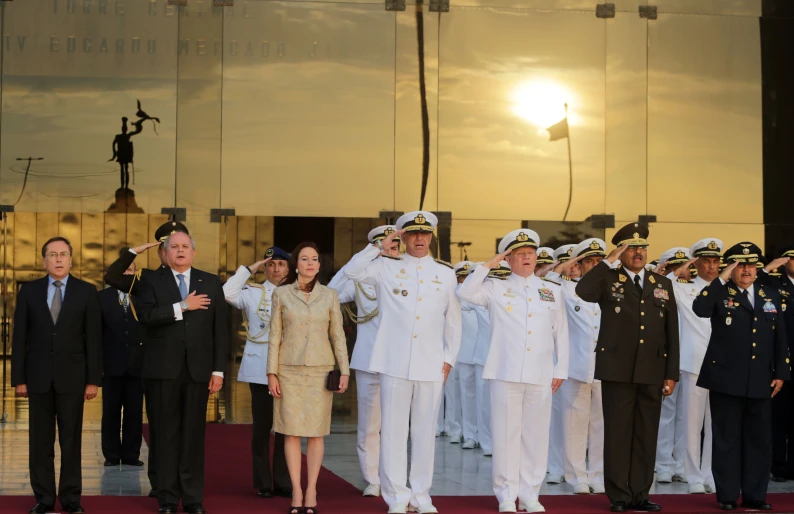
column 747, row 295
column 637, row 283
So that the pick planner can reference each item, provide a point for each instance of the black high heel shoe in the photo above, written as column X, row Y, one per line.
column 311, row 510
column 295, row 510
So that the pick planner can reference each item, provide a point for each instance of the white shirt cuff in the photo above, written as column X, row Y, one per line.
column 615, row 264
column 133, row 252
column 217, row 374
column 177, row 312
column 721, row 281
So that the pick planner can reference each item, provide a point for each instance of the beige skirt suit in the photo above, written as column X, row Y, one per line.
column 306, row 337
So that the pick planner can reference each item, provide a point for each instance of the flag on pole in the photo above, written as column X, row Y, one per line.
column 559, row 130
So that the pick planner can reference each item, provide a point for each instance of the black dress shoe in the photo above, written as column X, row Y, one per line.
column 109, row 463
column 619, row 507
column 137, row 463
column 266, row 493
column 646, row 506
column 196, row 508
column 153, row 493
column 40, row 508
column 760, row 505
column 167, row 509
column 727, row 505
column 74, row 508
column 286, row 492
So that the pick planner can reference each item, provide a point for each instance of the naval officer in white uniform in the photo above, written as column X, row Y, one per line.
column 254, row 300
column 695, row 334
column 582, row 414
column 467, row 372
column 367, row 320
column 482, row 393
column 527, row 362
column 415, row 348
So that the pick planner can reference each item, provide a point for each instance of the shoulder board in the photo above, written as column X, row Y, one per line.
column 549, row 280
column 254, row 284
column 566, row 278
column 445, row 263
column 783, row 292
column 684, row 281
column 392, row 258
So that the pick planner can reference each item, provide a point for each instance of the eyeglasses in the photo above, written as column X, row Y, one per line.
column 62, row 255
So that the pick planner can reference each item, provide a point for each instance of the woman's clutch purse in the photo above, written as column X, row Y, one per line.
column 332, row 382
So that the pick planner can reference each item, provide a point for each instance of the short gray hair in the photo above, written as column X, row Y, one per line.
column 168, row 239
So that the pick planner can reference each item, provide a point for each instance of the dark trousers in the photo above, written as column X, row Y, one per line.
column 262, row 410
column 180, row 408
column 742, row 448
column 783, row 432
column 47, row 409
column 119, row 394
column 151, row 415
column 631, row 425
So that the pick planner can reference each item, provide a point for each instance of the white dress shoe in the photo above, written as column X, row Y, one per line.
column 508, row 506
column 697, row 489
column 427, row 508
column 487, row 452
column 469, row 444
column 664, row 478
column 581, row 489
column 372, row 490
column 710, row 488
column 679, row 478
column 532, row 506
column 554, row 479
column 455, row 439
column 397, row 508
column 597, row 488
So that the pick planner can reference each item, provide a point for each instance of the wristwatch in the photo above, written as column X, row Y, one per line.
column 183, row 305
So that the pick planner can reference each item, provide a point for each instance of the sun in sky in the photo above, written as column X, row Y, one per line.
column 541, row 103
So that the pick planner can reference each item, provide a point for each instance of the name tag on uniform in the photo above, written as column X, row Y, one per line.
column 546, row 295
column 508, row 295
column 769, row 307
column 402, row 277
column 661, row 294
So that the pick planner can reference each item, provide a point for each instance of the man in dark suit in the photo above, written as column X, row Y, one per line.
column 117, row 278
column 783, row 402
column 745, row 365
column 636, row 361
column 121, row 382
column 185, row 354
column 57, row 364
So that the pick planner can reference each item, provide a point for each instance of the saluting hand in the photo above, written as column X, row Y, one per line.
column 780, row 261
column 389, row 240
column 496, row 259
column 659, row 269
column 726, row 273
column 777, row 385
column 681, row 271
column 563, row 267
column 543, row 270
column 615, row 254
column 145, row 246
column 255, row 266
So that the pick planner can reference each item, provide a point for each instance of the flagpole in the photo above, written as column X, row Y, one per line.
column 570, row 165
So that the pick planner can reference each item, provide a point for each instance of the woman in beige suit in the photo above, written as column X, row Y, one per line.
column 305, row 336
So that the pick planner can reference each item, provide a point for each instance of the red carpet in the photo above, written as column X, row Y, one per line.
column 229, row 491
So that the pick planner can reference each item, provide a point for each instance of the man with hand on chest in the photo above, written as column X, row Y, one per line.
column 744, row 367
column 636, row 361
column 254, row 301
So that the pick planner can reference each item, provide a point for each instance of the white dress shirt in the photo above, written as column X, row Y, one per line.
column 51, row 289
column 584, row 318
column 529, row 327
column 694, row 331
column 420, row 328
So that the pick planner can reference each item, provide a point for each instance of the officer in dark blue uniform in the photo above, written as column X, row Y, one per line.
column 779, row 274
column 745, row 365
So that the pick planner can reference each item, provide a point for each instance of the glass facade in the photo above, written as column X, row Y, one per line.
column 306, row 118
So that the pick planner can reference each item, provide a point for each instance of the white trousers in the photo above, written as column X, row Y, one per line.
column 670, row 440
column 557, row 443
column 483, row 398
column 582, row 431
column 467, row 377
column 520, row 418
column 368, row 440
column 694, row 401
column 452, row 410
column 404, row 404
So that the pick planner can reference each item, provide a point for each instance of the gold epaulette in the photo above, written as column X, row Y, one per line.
column 565, row 277
column 136, row 276
column 254, row 284
column 445, row 263
column 393, row 258
column 549, row 280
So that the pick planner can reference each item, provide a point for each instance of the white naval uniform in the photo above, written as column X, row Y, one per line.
column 582, row 413
column 483, row 390
column 420, row 330
column 249, row 299
column 467, row 371
column 695, row 333
column 529, row 329
column 367, row 383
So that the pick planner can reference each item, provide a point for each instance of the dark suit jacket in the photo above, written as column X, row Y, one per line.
column 115, row 276
column 66, row 355
column 119, row 337
column 744, row 356
column 638, row 337
column 785, row 288
column 201, row 335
